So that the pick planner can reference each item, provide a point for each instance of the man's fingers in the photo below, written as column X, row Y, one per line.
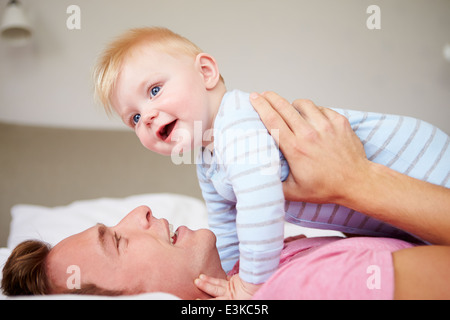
column 334, row 116
column 311, row 113
column 307, row 108
column 291, row 117
column 271, row 118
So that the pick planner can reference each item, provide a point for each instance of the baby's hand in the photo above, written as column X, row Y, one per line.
column 232, row 289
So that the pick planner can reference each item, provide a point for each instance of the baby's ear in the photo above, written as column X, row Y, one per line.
column 209, row 69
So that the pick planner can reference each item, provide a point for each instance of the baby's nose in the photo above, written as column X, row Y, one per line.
column 149, row 116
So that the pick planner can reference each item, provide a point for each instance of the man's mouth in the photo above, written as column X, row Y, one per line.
column 173, row 235
column 165, row 131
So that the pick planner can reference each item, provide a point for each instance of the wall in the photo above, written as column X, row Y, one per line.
column 319, row 49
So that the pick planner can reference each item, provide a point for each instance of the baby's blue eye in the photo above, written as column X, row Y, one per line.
column 154, row 91
column 136, row 118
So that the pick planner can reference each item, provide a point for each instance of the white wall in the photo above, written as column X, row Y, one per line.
column 316, row 49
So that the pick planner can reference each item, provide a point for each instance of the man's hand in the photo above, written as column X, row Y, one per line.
column 323, row 152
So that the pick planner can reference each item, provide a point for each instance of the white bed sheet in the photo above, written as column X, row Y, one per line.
column 54, row 224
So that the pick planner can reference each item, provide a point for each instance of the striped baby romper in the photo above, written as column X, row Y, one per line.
column 241, row 181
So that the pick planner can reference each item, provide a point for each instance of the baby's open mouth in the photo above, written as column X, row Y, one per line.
column 166, row 130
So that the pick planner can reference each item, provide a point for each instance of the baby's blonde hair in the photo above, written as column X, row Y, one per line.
column 111, row 61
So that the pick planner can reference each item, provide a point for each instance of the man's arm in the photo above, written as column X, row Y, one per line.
column 418, row 207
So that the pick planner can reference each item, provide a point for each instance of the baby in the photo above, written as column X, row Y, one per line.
column 172, row 94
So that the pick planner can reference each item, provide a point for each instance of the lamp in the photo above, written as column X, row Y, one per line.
column 15, row 27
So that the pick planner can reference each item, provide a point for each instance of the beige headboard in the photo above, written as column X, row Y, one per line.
column 52, row 166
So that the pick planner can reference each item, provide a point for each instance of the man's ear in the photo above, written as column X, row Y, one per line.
column 209, row 69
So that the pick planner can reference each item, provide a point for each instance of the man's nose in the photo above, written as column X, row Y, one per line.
column 140, row 217
column 145, row 216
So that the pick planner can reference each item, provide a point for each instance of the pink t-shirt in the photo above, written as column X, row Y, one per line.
column 333, row 268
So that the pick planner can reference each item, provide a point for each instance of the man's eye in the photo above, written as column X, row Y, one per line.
column 117, row 239
column 136, row 118
column 154, row 91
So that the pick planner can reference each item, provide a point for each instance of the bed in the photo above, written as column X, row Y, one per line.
column 56, row 182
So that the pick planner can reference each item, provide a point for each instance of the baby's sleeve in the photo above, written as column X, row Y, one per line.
column 252, row 164
column 221, row 221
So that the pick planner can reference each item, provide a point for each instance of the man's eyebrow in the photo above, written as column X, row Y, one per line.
column 101, row 236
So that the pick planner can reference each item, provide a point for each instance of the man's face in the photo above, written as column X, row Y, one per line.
column 137, row 255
